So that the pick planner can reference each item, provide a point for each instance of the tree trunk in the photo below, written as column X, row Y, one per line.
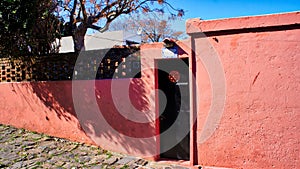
column 78, row 37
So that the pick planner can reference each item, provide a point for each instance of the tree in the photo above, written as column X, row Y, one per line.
column 27, row 27
column 152, row 27
column 79, row 15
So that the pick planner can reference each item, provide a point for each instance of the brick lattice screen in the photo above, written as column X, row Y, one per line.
column 99, row 64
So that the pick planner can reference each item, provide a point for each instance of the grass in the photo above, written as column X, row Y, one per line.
column 109, row 154
column 125, row 166
column 39, row 163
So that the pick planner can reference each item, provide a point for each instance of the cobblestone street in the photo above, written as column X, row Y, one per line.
column 20, row 148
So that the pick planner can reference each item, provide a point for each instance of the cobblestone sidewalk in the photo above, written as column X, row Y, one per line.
column 20, row 148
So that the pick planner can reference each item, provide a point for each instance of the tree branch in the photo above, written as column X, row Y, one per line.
column 100, row 29
column 122, row 7
column 82, row 6
column 72, row 19
column 78, row 19
column 106, row 8
column 150, row 37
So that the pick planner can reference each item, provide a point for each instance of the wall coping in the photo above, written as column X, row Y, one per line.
column 197, row 25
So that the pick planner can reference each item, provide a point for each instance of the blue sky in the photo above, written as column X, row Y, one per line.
column 216, row 9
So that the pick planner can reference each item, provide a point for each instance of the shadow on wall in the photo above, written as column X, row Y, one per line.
column 104, row 116
column 117, row 113
column 56, row 96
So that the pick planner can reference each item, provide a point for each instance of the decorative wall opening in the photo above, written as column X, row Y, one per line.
column 122, row 62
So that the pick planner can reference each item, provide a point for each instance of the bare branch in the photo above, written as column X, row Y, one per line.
column 72, row 16
column 82, row 7
column 90, row 12
column 154, row 28
column 100, row 29
column 105, row 9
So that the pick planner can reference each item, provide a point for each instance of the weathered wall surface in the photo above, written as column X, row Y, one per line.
column 252, row 63
column 260, row 124
column 41, row 106
column 115, row 114
column 48, row 107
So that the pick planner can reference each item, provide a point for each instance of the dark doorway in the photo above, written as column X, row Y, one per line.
column 174, row 108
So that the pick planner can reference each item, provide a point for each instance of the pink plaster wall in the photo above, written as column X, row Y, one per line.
column 259, row 127
column 117, row 115
column 89, row 114
column 42, row 107
column 48, row 107
column 260, row 124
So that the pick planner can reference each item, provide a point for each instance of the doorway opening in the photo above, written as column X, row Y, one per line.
column 174, row 108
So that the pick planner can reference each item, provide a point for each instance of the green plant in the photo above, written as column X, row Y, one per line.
column 125, row 166
column 109, row 154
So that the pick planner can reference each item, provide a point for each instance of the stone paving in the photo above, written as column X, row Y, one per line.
column 20, row 148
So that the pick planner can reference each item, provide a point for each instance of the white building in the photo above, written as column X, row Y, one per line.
column 101, row 41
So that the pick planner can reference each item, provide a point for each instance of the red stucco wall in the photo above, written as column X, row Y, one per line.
column 247, row 79
column 117, row 115
column 260, row 124
column 47, row 107
column 89, row 114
